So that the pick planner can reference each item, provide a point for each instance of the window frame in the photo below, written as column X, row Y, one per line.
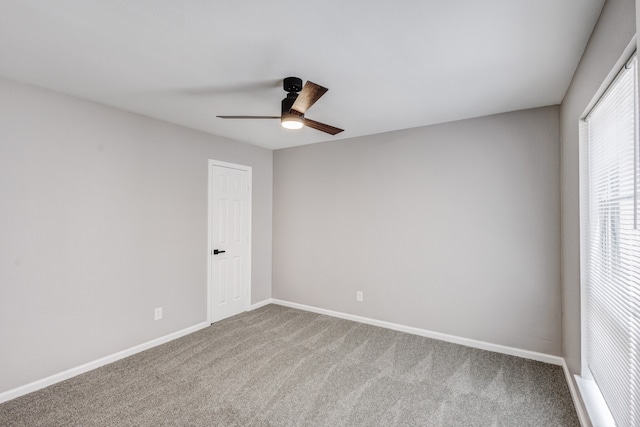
column 592, row 397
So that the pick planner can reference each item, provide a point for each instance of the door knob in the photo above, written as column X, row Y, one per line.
column 216, row 252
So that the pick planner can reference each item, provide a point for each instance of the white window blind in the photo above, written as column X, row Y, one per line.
column 611, row 272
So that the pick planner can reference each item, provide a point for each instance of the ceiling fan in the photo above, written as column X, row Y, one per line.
column 295, row 105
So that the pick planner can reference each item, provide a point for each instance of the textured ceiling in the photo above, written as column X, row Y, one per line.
column 388, row 65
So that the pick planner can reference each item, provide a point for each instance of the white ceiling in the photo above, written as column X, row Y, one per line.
column 388, row 65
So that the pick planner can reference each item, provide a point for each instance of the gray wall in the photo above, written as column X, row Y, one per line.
column 103, row 218
column 613, row 32
column 453, row 228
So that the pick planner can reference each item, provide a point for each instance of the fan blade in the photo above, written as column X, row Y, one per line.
column 248, row 117
column 310, row 93
column 322, row 127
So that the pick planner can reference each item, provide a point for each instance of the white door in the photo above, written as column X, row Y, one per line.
column 230, row 248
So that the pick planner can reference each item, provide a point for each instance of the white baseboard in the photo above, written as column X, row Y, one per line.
column 70, row 373
column 261, row 304
column 482, row 345
column 541, row 357
column 575, row 396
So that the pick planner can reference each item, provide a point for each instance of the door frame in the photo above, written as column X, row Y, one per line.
column 249, row 170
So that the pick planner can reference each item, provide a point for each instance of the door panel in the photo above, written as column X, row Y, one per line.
column 230, row 228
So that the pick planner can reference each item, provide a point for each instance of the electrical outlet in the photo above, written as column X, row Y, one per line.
column 359, row 296
column 158, row 313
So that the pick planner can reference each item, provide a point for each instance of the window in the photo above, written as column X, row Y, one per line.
column 611, row 248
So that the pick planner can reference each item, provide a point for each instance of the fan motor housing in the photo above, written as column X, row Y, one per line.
column 292, row 84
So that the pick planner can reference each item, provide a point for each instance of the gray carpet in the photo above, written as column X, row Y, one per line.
column 278, row 366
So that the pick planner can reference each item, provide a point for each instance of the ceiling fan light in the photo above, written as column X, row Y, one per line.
column 291, row 122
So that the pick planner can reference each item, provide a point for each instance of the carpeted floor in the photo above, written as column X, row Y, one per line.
column 278, row 366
